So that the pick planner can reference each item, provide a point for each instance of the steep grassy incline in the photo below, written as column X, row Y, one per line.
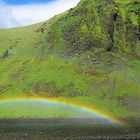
column 99, row 26
column 89, row 54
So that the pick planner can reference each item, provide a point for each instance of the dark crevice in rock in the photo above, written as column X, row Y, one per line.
column 113, row 18
column 111, row 47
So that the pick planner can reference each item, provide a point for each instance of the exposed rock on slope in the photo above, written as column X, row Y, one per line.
column 98, row 25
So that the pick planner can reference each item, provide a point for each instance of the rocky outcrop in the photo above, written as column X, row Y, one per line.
column 98, row 25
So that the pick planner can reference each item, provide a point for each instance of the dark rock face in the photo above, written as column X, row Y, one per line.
column 95, row 27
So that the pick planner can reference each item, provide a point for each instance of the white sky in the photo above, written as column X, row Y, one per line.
column 21, row 15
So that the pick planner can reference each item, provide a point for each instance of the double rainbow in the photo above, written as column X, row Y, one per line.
column 86, row 108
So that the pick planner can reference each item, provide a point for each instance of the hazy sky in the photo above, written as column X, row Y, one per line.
column 15, row 13
column 27, row 1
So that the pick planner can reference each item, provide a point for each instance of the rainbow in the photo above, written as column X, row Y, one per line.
column 86, row 108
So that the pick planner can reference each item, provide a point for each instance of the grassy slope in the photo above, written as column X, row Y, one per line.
column 47, row 64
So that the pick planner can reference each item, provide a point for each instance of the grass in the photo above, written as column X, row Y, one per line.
column 34, row 109
column 58, row 78
column 69, row 59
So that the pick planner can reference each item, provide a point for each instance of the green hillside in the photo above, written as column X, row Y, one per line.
column 89, row 54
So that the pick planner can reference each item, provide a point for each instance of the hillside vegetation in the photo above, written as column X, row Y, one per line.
column 88, row 54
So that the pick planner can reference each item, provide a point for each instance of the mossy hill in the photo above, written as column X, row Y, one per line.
column 88, row 54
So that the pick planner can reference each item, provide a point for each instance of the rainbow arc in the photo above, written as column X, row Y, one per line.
column 56, row 101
